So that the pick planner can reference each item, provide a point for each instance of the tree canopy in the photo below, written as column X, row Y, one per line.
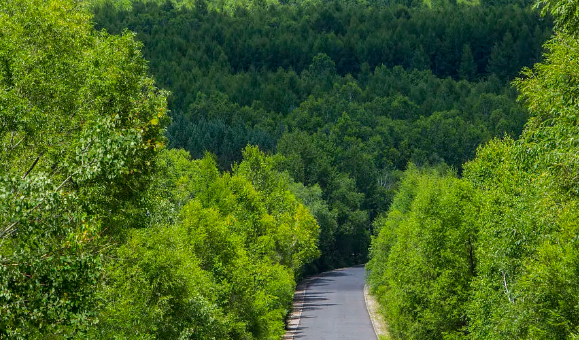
column 296, row 135
column 103, row 233
column 512, row 271
column 80, row 125
column 347, row 92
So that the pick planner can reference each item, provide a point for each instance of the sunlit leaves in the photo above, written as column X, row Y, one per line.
column 423, row 258
column 75, row 107
column 224, row 268
column 525, row 217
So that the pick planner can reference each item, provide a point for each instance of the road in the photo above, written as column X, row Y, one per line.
column 334, row 308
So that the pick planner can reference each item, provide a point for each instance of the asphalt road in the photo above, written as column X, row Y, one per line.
column 334, row 308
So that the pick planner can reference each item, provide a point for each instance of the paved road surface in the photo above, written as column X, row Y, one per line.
column 334, row 308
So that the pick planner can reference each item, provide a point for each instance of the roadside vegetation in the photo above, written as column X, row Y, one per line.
column 493, row 254
column 347, row 93
column 169, row 169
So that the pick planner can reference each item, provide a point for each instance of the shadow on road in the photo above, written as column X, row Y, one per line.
column 315, row 301
column 332, row 306
column 334, row 274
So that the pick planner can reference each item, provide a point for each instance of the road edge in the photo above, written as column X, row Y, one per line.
column 378, row 323
column 294, row 317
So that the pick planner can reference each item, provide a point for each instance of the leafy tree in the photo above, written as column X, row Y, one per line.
column 468, row 68
column 522, row 221
column 535, row 183
column 347, row 92
column 81, row 123
column 239, row 242
column 423, row 259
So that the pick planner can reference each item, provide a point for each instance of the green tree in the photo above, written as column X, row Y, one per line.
column 423, row 257
column 81, row 124
column 467, row 69
column 502, row 60
column 521, row 222
column 533, row 195
column 238, row 243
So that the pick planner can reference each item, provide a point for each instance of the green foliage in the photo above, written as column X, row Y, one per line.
column 523, row 223
column 565, row 13
column 102, row 235
column 347, row 92
column 468, row 67
column 531, row 220
column 80, row 126
column 423, row 259
column 237, row 246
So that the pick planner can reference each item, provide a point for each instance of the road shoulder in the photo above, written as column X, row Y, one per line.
column 293, row 320
column 378, row 322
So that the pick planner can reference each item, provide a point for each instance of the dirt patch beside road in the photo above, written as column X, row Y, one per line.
column 378, row 322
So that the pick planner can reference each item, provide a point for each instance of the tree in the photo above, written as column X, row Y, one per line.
column 423, row 257
column 277, row 77
column 467, row 69
column 238, row 242
column 502, row 60
column 521, row 217
column 81, row 124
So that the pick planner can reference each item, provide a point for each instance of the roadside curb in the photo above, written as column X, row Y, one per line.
column 370, row 314
column 378, row 323
column 298, row 306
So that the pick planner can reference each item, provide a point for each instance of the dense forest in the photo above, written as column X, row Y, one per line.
column 346, row 93
column 170, row 169
column 107, row 235
column 493, row 254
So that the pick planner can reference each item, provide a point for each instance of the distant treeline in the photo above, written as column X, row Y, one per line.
column 104, row 234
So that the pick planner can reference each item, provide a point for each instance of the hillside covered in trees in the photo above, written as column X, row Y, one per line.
column 104, row 234
column 494, row 254
column 348, row 93
column 168, row 170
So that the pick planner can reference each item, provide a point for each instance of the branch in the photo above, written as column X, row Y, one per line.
column 507, row 288
column 66, row 180
column 33, row 165
column 12, row 147
column 8, row 231
column 20, row 141
column 471, row 258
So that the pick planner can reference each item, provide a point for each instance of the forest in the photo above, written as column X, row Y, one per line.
column 346, row 93
column 493, row 253
column 171, row 169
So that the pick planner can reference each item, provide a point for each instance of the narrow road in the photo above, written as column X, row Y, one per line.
column 334, row 308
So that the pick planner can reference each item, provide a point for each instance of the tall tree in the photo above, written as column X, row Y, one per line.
column 80, row 125
column 467, row 69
